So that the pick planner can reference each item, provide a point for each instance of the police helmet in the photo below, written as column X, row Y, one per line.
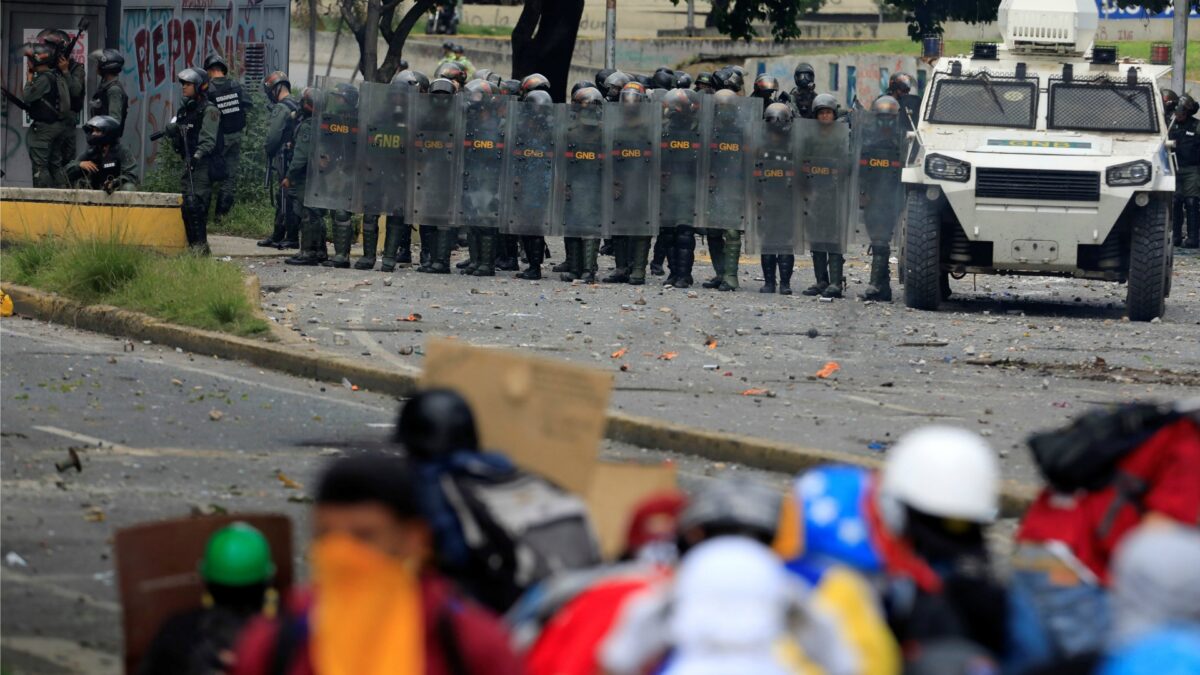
column 308, row 99
column 738, row 69
column 41, row 54
column 348, row 93
column 779, row 115
column 272, row 83
column 601, row 76
column 102, row 130
column 510, row 87
column 805, row 77
column 435, row 423
column 215, row 61
column 582, row 84
column 453, row 71
column 730, row 79
column 109, row 61
column 765, row 86
column 663, row 78
column 614, row 83
column 823, row 101
column 632, row 94
column 457, row 49
column 1169, row 99
column 412, row 78
column 683, row 80
column 448, row 46
column 538, row 97
column 731, row 506
column 681, row 102
column 1187, row 106
column 442, row 86
column 588, row 95
column 900, row 84
column 534, row 82
column 54, row 37
column 483, row 74
column 195, row 77
column 704, row 83
column 887, row 111
column 479, row 89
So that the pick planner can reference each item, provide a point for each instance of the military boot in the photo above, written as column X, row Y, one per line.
column 787, row 264
column 880, row 288
column 291, row 236
column 732, row 251
column 506, row 259
column 370, row 237
column 472, row 252
column 487, row 252
column 716, row 251
column 535, row 250
column 343, row 235
column 769, row 264
column 836, row 281
column 1193, row 224
column 639, row 256
column 404, row 232
column 1178, row 216
column 821, row 272
column 572, row 260
column 428, row 236
column 272, row 240
column 310, row 232
column 565, row 267
column 663, row 244
column 443, row 242
column 589, row 250
column 620, row 275
column 607, row 247
column 391, row 243
column 684, row 255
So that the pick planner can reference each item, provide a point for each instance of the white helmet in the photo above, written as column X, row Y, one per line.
column 941, row 471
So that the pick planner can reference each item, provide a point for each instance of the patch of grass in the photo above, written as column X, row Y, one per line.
column 188, row 289
column 254, row 219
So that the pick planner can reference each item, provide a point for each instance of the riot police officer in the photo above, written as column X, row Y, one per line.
column 704, row 83
column 683, row 80
column 1169, row 100
column 679, row 176
column 766, row 88
column 76, row 77
column 281, row 131
column 614, row 84
column 729, row 145
column 227, row 95
column 483, row 155
column 828, row 259
column 105, row 165
column 312, row 231
column 583, row 157
column 633, row 144
column 195, row 132
column 1186, row 134
column 900, row 87
column 110, row 98
column 397, row 238
column 453, row 71
column 801, row 97
column 48, row 100
column 436, row 243
column 774, row 162
column 343, row 101
column 532, row 177
column 879, row 182
column 729, row 77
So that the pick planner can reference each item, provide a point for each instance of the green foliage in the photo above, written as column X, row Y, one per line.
column 253, row 214
column 736, row 18
column 188, row 289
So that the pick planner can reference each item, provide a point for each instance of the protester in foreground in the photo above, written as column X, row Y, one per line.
column 376, row 605
column 237, row 570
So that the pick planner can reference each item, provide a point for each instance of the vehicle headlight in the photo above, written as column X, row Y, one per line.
column 942, row 167
column 1131, row 173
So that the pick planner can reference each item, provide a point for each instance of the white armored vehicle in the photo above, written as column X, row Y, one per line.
column 1042, row 156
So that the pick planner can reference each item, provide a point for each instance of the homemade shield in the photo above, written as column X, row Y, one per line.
column 823, row 160
column 331, row 172
column 384, row 139
column 157, row 570
column 679, row 164
column 579, row 177
column 774, row 191
column 433, row 161
column 631, row 169
column 876, row 194
column 527, row 201
column 481, row 161
column 726, row 161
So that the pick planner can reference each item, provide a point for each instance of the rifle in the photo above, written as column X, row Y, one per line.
column 157, row 135
column 79, row 29
column 14, row 99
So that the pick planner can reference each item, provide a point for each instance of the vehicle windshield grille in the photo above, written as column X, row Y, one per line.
column 1102, row 105
column 984, row 99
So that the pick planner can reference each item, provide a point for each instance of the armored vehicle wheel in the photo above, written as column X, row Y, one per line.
column 1149, row 261
column 922, row 252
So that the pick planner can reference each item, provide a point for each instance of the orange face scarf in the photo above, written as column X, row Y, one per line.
column 367, row 618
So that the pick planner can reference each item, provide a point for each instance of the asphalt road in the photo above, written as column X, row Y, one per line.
column 151, row 449
column 1005, row 357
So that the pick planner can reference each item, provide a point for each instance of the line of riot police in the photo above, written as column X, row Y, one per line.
column 773, row 174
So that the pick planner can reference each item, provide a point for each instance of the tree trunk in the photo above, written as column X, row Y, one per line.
column 312, row 41
column 544, row 37
column 370, row 52
column 398, row 36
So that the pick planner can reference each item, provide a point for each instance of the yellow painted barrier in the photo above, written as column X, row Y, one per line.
column 149, row 219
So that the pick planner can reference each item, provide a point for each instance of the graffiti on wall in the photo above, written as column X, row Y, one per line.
column 158, row 43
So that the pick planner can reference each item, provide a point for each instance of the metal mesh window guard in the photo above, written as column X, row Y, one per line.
column 1100, row 104
column 984, row 99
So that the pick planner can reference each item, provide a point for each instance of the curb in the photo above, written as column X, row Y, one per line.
column 758, row 453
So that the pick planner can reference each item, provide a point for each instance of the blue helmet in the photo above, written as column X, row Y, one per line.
column 831, row 502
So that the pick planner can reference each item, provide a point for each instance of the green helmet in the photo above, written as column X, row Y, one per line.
column 237, row 555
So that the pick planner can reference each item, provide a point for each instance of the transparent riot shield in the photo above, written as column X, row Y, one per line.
column 384, row 113
column 579, row 170
column 631, row 169
column 726, row 161
column 527, row 202
column 775, row 226
column 876, row 193
column 331, row 172
column 433, row 160
column 679, row 166
column 481, row 160
column 823, row 161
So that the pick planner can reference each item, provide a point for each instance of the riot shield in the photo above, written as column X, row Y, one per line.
column 579, row 170
column 775, row 226
column 331, row 172
column 433, row 160
column 726, row 161
column 679, row 166
column 384, row 113
column 823, row 160
column 631, row 169
column 528, row 175
column 876, row 193
column 481, row 161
